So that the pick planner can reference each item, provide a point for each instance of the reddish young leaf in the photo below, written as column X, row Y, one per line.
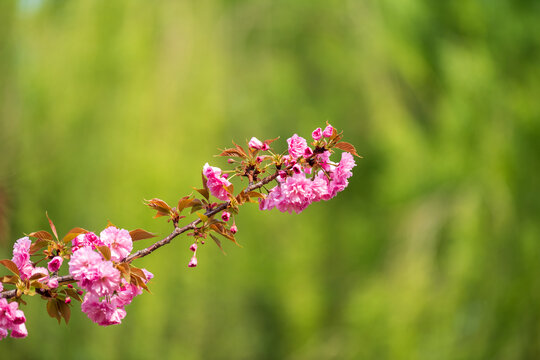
column 162, row 208
column 105, row 251
column 73, row 233
column 9, row 279
column 218, row 243
column 203, row 192
column 39, row 244
column 240, row 149
column 42, row 234
column 53, row 228
column 269, row 141
column 140, row 234
column 232, row 153
column 345, row 146
column 10, row 265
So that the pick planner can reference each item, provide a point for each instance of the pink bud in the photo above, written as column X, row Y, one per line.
column 328, row 131
column 265, row 147
column 317, row 134
column 259, row 159
column 255, row 143
column 80, row 292
column 226, row 216
column 225, row 176
column 193, row 247
column 202, row 242
column 70, row 286
column 297, row 169
column 19, row 331
column 230, row 161
column 308, row 152
column 53, row 283
column 55, row 264
column 234, row 229
column 193, row 262
column 68, row 300
column 19, row 317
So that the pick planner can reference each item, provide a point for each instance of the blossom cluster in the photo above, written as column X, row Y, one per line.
column 107, row 292
column 11, row 318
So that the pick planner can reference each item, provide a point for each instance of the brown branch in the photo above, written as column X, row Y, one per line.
column 177, row 231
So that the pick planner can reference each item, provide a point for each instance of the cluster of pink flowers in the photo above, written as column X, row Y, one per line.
column 216, row 182
column 107, row 292
column 11, row 318
column 21, row 258
column 297, row 192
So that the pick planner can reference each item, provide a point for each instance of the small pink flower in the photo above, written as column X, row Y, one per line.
column 308, row 152
column 87, row 239
column 259, row 159
column 317, row 134
column 193, row 262
column 216, row 183
column 328, row 131
column 193, row 247
column 118, row 240
column 68, row 300
column 255, row 143
column 297, row 146
column 21, row 257
column 55, row 263
column 225, row 216
column 234, row 229
column 70, row 286
column 53, row 283
column 19, row 331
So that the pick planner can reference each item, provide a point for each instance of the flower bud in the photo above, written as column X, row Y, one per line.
column 55, row 264
column 297, row 169
column 225, row 216
column 255, row 143
column 308, row 152
column 317, row 134
column 19, row 317
column 234, row 229
column 230, row 161
column 68, row 300
column 70, row 286
column 80, row 292
column 259, row 159
column 53, row 283
column 193, row 247
column 225, row 176
column 193, row 262
column 328, row 131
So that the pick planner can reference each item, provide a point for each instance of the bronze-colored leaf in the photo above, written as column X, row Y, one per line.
column 37, row 276
column 105, row 251
column 109, row 224
column 73, row 294
column 53, row 228
column 218, row 243
column 256, row 194
column 204, row 181
column 39, row 244
column 162, row 208
column 230, row 189
column 138, row 272
column 203, row 192
column 345, row 146
column 269, row 141
column 183, row 203
column 9, row 279
column 73, row 233
column 140, row 234
column 10, row 265
column 231, row 153
column 53, row 311
column 240, row 149
column 42, row 234
column 64, row 310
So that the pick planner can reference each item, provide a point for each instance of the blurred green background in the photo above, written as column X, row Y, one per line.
column 432, row 252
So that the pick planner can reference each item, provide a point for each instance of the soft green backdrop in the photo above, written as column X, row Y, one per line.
column 433, row 252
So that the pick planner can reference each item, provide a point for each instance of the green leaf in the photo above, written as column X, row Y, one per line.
column 10, row 265
column 203, row 217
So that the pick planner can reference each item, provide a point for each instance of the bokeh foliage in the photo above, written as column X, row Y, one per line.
column 433, row 252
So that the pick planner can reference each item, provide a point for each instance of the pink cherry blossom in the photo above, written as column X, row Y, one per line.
column 11, row 318
column 328, row 131
column 193, row 247
column 193, row 261
column 93, row 273
column 216, row 183
column 53, row 283
column 297, row 146
column 294, row 194
column 225, row 216
column 316, row 134
column 88, row 239
column 55, row 263
column 118, row 240
column 104, row 312
column 234, row 229
column 21, row 257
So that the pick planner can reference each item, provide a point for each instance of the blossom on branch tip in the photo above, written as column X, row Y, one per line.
column 193, row 247
column 225, row 216
column 234, row 229
column 193, row 261
column 328, row 131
